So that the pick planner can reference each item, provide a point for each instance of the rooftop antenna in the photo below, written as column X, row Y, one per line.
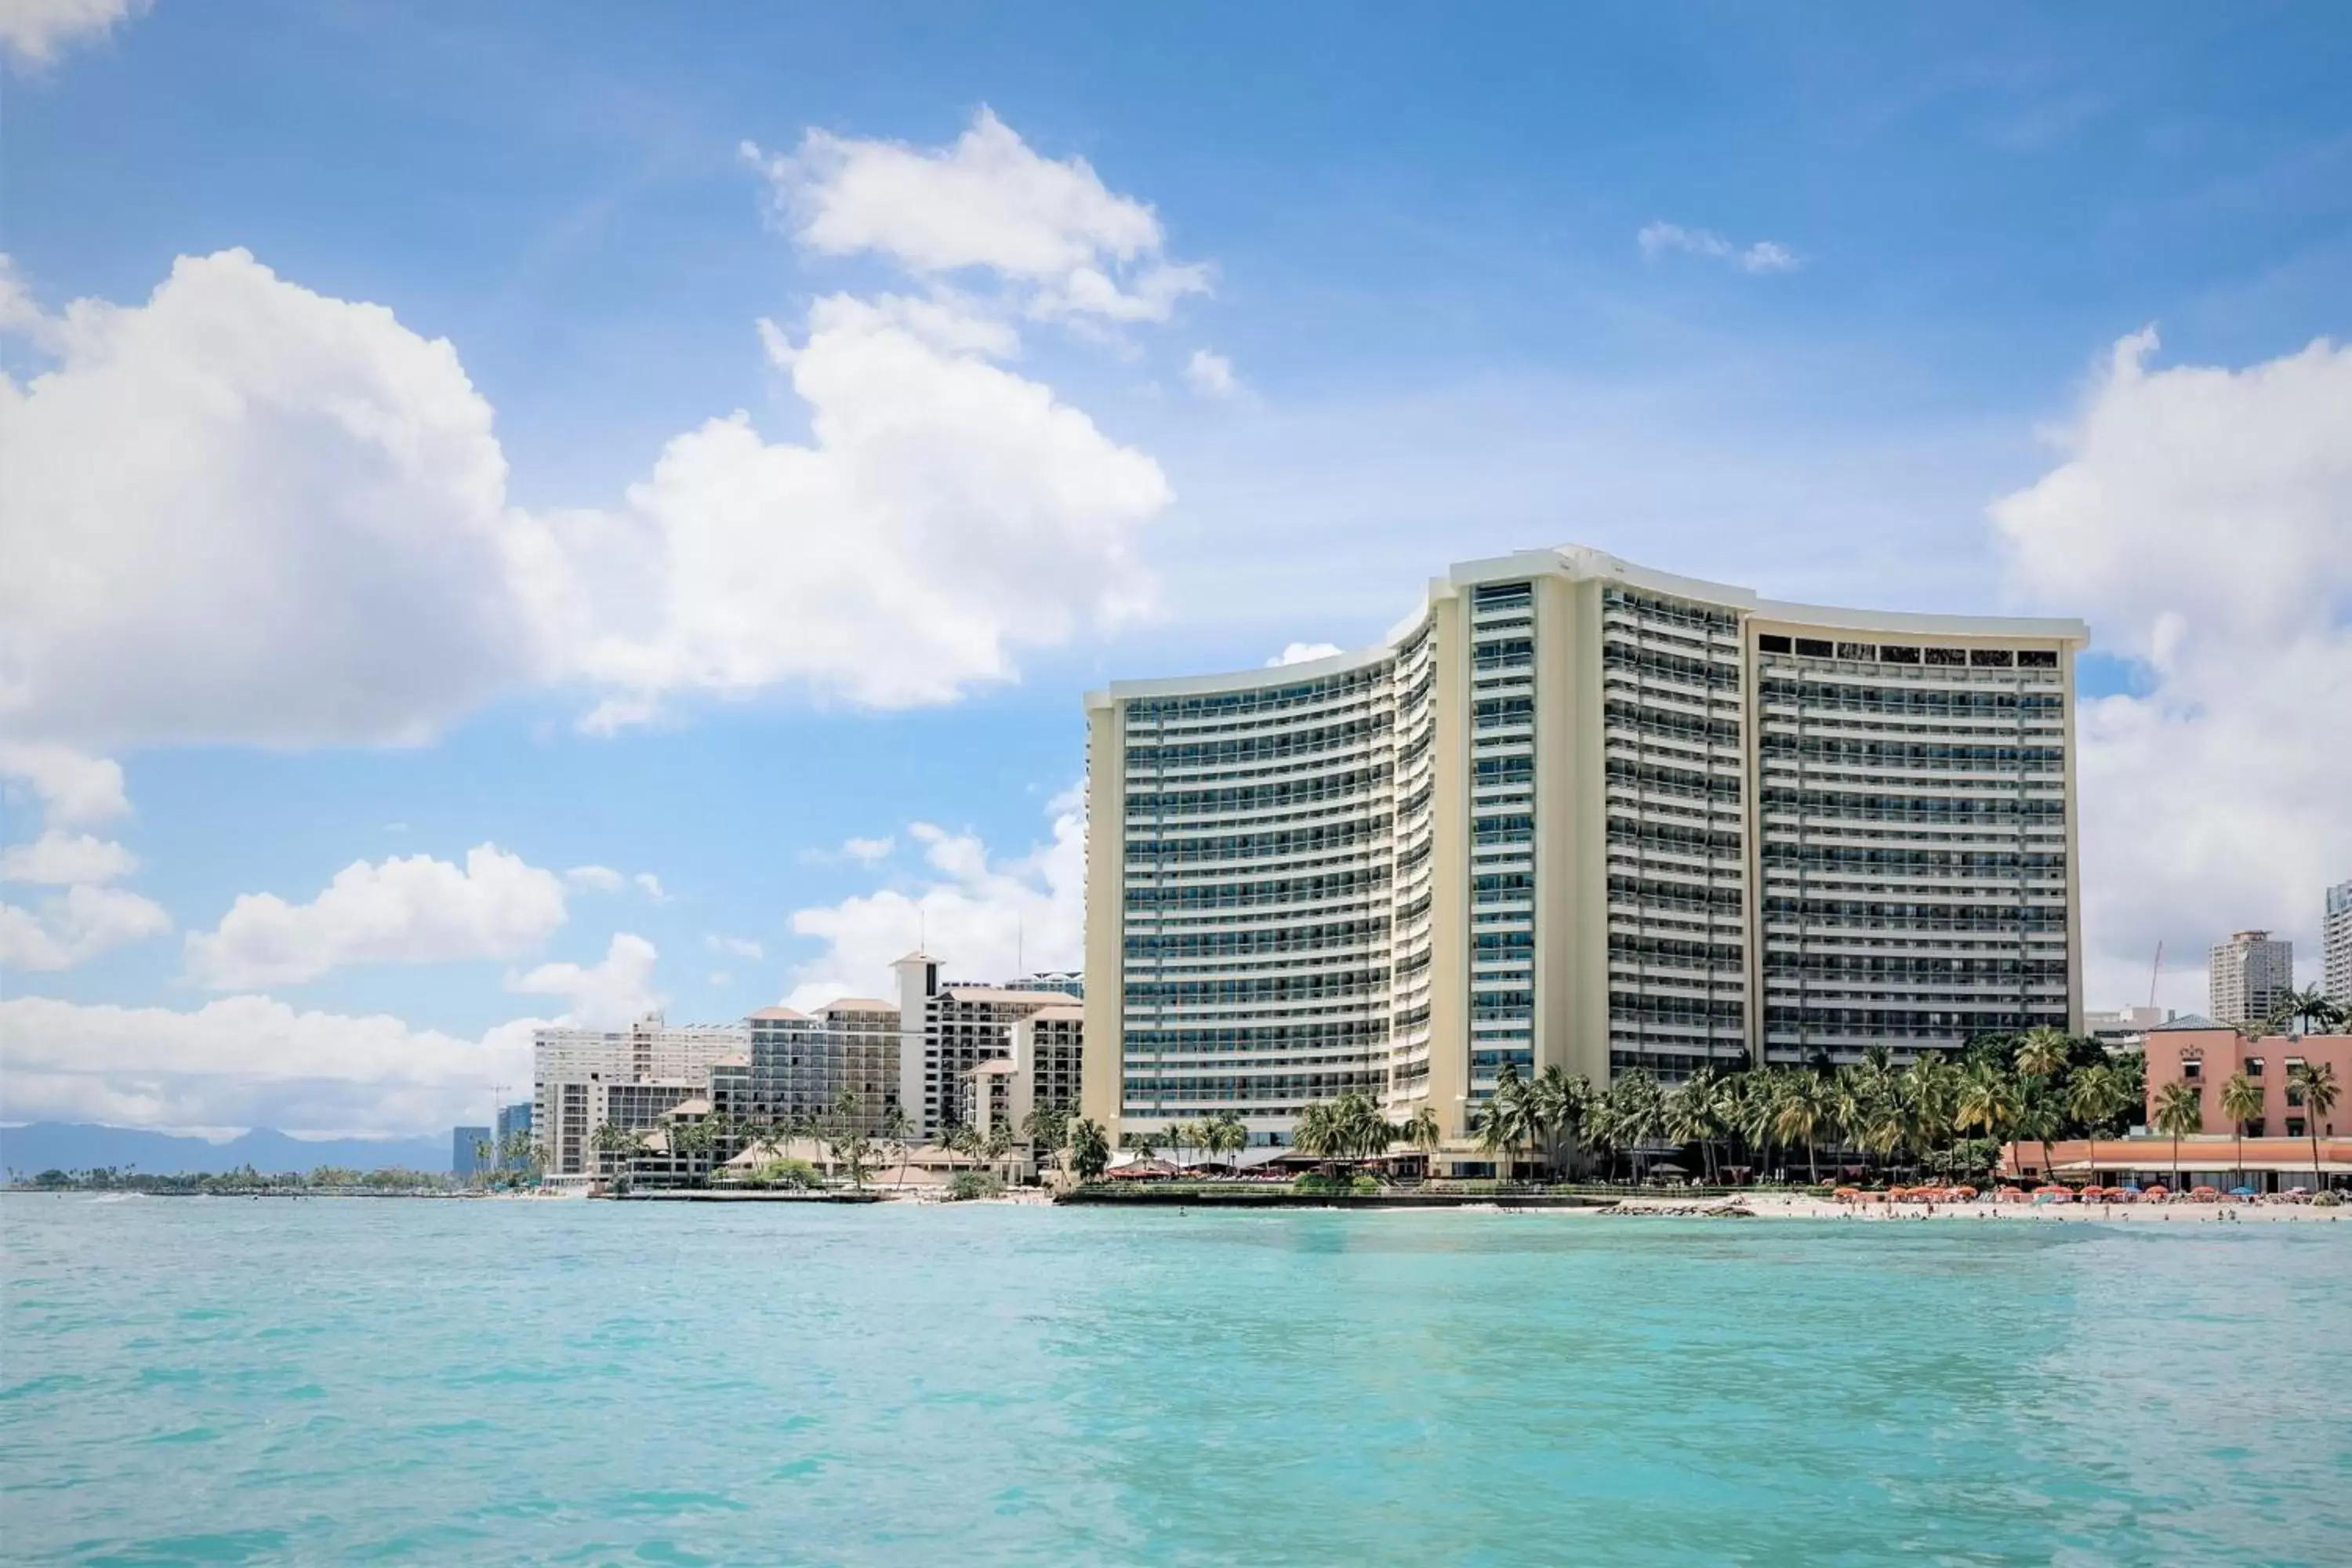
column 1020, row 936
column 922, row 929
column 2153, row 970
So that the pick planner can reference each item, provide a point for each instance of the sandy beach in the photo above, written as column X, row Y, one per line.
column 1792, row 1205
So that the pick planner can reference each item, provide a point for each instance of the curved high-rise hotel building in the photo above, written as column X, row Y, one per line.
column 1573, row 811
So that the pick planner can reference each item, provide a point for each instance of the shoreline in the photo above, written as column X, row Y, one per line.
column 1793, row 1206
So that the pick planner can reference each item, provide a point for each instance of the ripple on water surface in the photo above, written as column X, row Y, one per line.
column 589, row 1382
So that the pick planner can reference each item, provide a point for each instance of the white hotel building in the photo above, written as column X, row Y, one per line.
column 582, row 1078
column 1573, row 811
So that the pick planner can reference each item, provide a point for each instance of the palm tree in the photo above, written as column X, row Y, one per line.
column 2038, row 1119
column 1046, row 1128
column 2041, row 1052
column 613, row 1143
column 1089, row 1149
column 1692, row 1117
column 1802, row 1114
column 1557, row 1103
column 2179, row 1109
column 1638, row 1108
column 1987, row 1100
column 1422, row 1131
column 2310, row 1006
column 899, row 1133
column 1508, row 1119
column 486, row 1154
column 1225, row 1134
column 2096, row 1095
column 2242, row 1101
column 2314, row 1084
column 1318, row 1132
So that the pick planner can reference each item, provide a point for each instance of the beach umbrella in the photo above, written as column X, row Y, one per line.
column 2243, row 1193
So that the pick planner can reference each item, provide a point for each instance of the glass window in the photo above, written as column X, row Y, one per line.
column 2253, row 1067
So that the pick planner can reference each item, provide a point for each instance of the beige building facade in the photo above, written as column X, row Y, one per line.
column 2249, row 976
column 1574, row 812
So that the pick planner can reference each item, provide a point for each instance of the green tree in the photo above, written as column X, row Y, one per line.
column 1693, row 1115
column 898, row 1133
column 1046, row 1128
column 2042, row 1052
column 2179, row 1109
column 1987, row 1102
column 1506, row 1121
column 2096, row 1095
column 1089, row 1149
column 1558, row 1102
column 1802, row 1113
column 615, row 1146
column 2310, row 1006
column 1225, row 1134
column 1422, row 1131
column 2314, row 1084
column 1637, row 1111
column 2240, row 1102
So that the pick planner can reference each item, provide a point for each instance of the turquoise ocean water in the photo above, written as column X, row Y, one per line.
column 210, row 1380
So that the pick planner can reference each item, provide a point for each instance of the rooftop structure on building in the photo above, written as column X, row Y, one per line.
column 2251, row 974
column 1575, row 812
column 2123, row 1026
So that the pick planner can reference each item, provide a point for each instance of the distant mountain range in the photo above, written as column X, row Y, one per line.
column 80, row 1146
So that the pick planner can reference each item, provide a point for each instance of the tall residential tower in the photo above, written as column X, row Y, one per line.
column 2249, row 973
column 1577, row 812
column 2335, row 944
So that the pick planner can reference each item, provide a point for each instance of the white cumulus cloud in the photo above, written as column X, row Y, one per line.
column 1763, row 256
column 406, row 909
column 1211, row 375
column 76, row 926
column 1302, row 653
column 246, row 1061
column 227, row 510
column 741, row 946
column 987, row 202
column 72, row 786
column 948, row 513
column 61, row 859
column 984, row 916
column 2201, row 519
column 603, row 995
column 595, row 878
column 32, row 32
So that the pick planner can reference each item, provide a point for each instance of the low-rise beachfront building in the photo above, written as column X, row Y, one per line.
column 2207, row 1057
column 1575, row 813
column 582, row 1079
column 2269, row 1164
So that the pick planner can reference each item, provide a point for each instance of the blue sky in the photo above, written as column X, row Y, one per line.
column 1890, row 258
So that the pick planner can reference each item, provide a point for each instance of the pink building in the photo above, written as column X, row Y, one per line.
column 2194, row 1051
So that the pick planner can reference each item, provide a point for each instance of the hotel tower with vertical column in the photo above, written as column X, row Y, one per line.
column 1574, row 811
